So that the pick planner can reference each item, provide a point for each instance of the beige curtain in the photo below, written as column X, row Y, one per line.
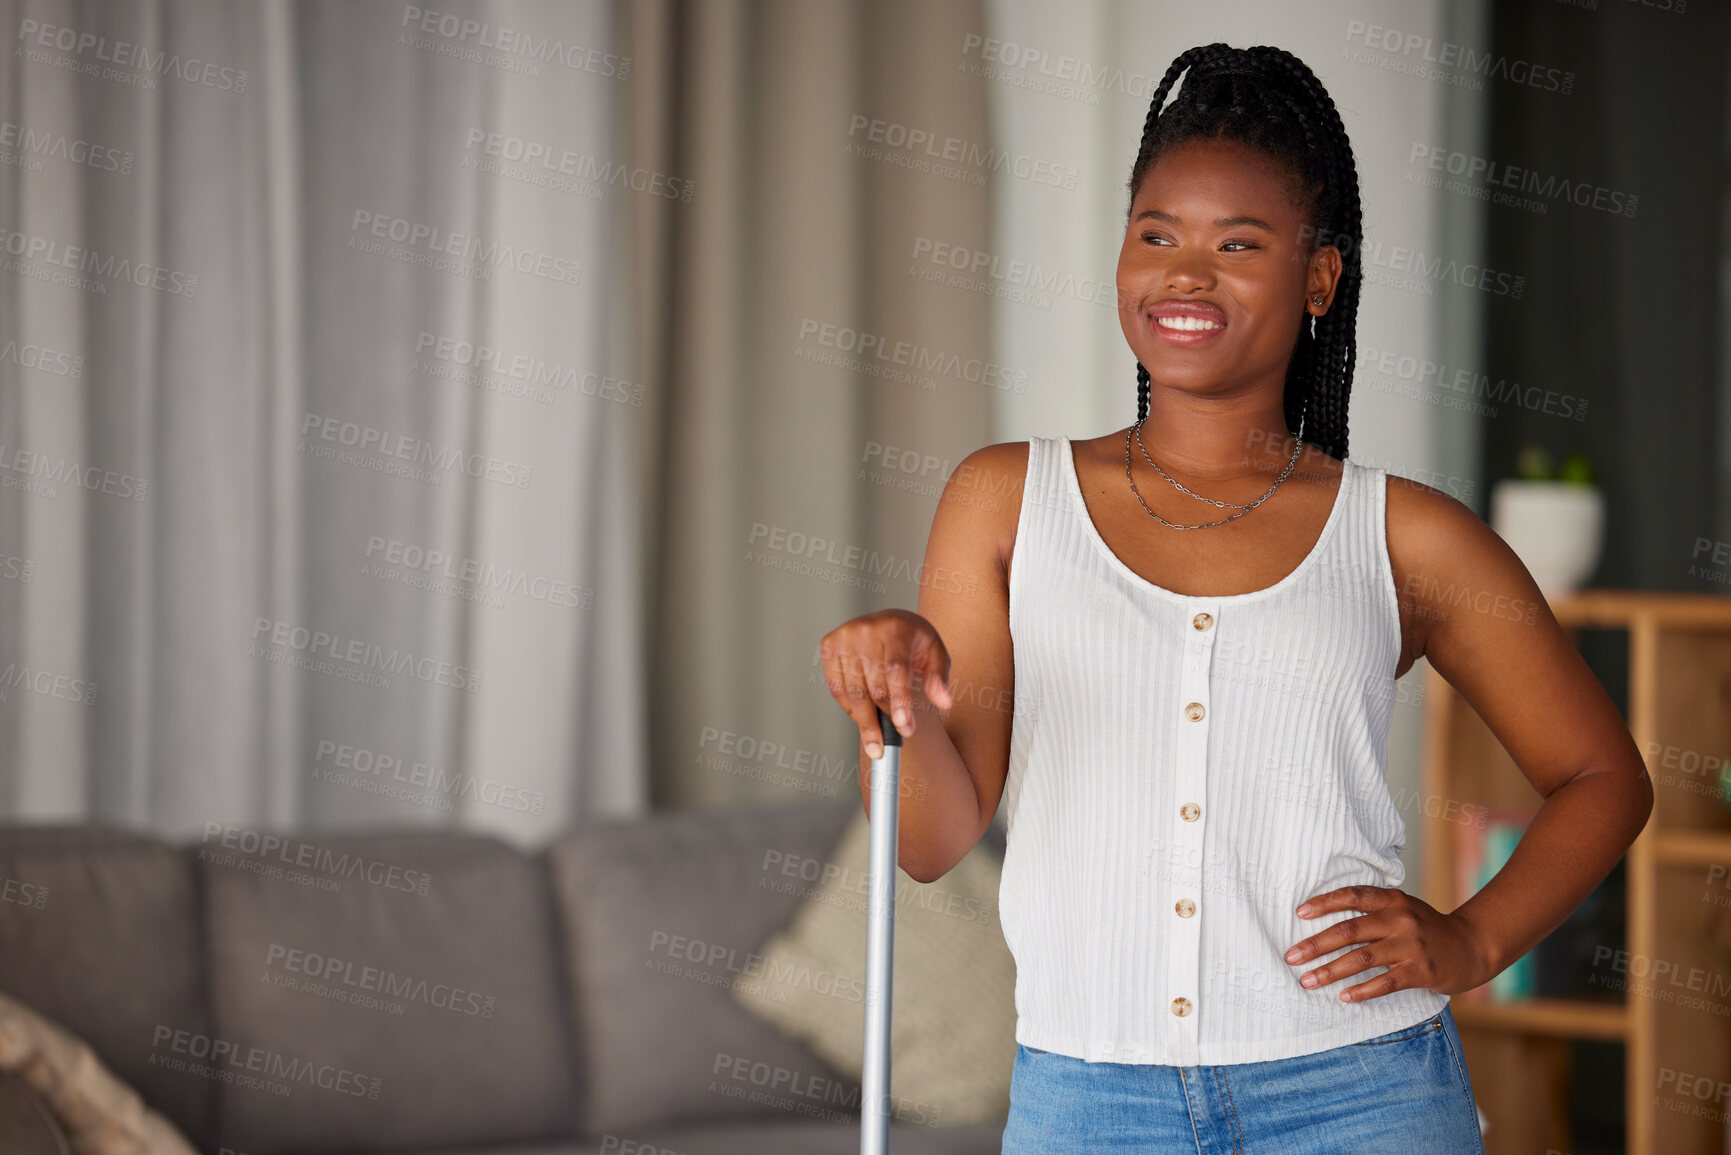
column 797, row 242
column 187, row 531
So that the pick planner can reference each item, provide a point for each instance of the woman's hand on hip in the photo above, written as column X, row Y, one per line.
column 1420, row 946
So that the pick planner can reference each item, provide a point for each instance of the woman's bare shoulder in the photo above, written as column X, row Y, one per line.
column 992, row 475
column 1446, row 558
column 982, row 502
column 1423, row 522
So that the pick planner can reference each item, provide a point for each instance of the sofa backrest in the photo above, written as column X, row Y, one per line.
column 664, row 915
column 385, row 991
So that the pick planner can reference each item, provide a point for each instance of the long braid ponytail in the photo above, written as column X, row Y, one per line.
column 1268, row 99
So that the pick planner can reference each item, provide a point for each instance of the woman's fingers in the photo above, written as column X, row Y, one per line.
column 844, row 670
column 932, row 660
column 869, row 664
column 898, row 680
column 877, row 682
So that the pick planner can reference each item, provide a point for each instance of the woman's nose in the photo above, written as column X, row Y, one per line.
column 1188, row 272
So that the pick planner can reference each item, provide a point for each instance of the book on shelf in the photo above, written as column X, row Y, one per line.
column 1481, row 849
column 1562, row 964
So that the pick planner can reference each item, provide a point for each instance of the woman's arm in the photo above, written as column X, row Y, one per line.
column 1477, row 615
column 1526, row 679
column 955, row 760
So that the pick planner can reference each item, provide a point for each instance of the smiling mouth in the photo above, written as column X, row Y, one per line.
column 1187, row 324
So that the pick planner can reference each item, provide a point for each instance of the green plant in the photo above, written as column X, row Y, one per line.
column 1533, row 463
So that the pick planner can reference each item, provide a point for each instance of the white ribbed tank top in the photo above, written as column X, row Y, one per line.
column 1184, row 771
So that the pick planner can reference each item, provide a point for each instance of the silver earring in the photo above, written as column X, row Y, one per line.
column 1317, row 300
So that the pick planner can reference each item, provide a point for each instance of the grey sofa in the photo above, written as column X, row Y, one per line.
column 395, row 991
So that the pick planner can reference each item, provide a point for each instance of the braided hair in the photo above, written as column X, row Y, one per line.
column 1268, row 99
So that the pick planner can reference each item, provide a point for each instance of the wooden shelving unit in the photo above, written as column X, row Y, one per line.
column 1674, row 1017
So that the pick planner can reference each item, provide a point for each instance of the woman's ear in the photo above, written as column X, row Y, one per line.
column 1324, row 274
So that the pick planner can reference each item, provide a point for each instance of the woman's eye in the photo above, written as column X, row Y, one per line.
column 1229, row 246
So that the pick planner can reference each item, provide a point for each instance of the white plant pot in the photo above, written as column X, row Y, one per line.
column 1556, row 528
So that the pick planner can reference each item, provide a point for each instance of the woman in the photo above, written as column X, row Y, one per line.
column 1201, row 880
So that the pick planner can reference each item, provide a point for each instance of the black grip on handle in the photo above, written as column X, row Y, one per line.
column 892, row 736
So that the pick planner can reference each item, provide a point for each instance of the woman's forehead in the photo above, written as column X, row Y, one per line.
column 1210, row 179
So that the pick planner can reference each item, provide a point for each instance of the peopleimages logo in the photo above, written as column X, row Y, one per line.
column 79, row 259
column 547, row 160
column 369, row 980
column 430, row 245
column 780, row 548
column 1549, row 187
column 469, row 571
column 470, row 35
column 46, row 683
column 370, row 769
column 978, row 268
column 362, row 439
column 273, row 851
column 360, row 655
column 31, row 894
column 928, row 150
column 1424, row 55
column 1037, row 69
column 46, row 474
column 233, row 1062
column 97, row 51
column 862, row 348
column 767, row 752
column 525, row 367
column 58, row 146
column 1440, row 382
column 52, row 361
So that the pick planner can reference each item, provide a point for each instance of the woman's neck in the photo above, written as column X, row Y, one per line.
column 1216, row 438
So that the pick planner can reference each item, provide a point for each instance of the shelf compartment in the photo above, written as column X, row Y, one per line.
column 1563, row 1018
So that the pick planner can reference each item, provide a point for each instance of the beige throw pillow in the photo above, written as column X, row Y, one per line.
column 100, row 1114
column 952, row 995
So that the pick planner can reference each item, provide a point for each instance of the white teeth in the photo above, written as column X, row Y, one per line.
column 1186, row 323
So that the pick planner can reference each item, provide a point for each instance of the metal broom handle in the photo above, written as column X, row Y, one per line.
column 886, row 774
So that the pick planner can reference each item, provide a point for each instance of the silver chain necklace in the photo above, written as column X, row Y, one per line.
column 1297, row 449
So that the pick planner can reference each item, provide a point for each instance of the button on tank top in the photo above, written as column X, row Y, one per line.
column 1183, row 772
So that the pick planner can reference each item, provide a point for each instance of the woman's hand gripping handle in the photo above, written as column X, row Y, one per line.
column 869, row 663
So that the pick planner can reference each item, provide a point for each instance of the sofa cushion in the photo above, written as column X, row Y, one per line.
column 383, row 991
column 663, row 915
column 99, row 932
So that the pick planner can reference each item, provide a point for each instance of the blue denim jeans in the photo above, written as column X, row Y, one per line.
column 1403, row 1093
